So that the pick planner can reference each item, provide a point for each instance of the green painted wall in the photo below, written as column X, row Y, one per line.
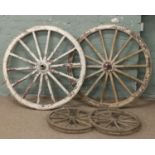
column 11, row 26
column 149, row 36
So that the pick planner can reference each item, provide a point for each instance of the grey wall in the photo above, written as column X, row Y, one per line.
column 11, row 26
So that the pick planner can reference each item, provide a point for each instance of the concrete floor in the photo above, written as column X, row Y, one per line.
column 17, row 121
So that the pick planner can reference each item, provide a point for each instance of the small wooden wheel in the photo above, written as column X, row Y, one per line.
column 114, row 58
column 35, row 67
column 70, row 120
column 115, row 122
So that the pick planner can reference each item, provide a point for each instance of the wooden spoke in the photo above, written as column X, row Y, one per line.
column 58, row 83
column 21, row 58
column 129, row 121
column 37, row 45
column 61, row 120
column 113, row 125
column 94, row 84
column 50, row 88
column 93, row 74
column 113, row 87
column 63, row 55
column 64, row 75
column 40, row 88
column 102, row 115
column 103, row 44
column 47, row 44
column 121, row 49
column 131, row 66
column 83, row 118
column 70, row 124
column 104, row 87
column 113, row 44
column 28, row 50
column 30, row 85
column 122, row 83
column 24, row 78
column 107, row 123
column 123, row 117
column 83, row 122
column 129, row 76
column 129, row 56
column 21, row 68
column 57, row 117
column 93, row 59
column 125, row 125
column 56, row 47
column 94, row 49
column 72, row 65
column 94, row 66
column 116, row 124
column 101, row 119
column 61, row 113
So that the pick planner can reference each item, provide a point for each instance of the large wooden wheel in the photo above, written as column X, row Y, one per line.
column 115, row 122
column 35, row 67
column 70, row 120
column 114, row 58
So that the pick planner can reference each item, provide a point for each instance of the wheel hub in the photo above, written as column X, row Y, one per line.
column 107, row 66
column 43, row 67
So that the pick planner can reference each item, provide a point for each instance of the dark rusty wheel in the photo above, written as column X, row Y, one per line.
column 115, row 122
column 115, row 56
column 70, row 120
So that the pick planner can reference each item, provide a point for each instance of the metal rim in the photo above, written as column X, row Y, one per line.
column 115, row 122
column 42, row 66
column 70, row 120
column 108, row 67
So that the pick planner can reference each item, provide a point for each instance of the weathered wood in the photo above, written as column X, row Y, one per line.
column 112, row 124
column 28, row 50
column 56, row 47
column 115, row 65
column 94, row 49
column 50, row 88
column 122, row 48
column 42, row 66
column 72, row 122
column 21, row 58
column 58, row 83
column 94, row 84
column 37, row 45
column 47, row 44
column 113, row 44
column 63, row 55
column 103, row 44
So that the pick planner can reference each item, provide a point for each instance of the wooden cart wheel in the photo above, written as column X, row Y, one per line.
column 114, row 58
column 35, row 67
column 70, row 120
column 115, row 122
